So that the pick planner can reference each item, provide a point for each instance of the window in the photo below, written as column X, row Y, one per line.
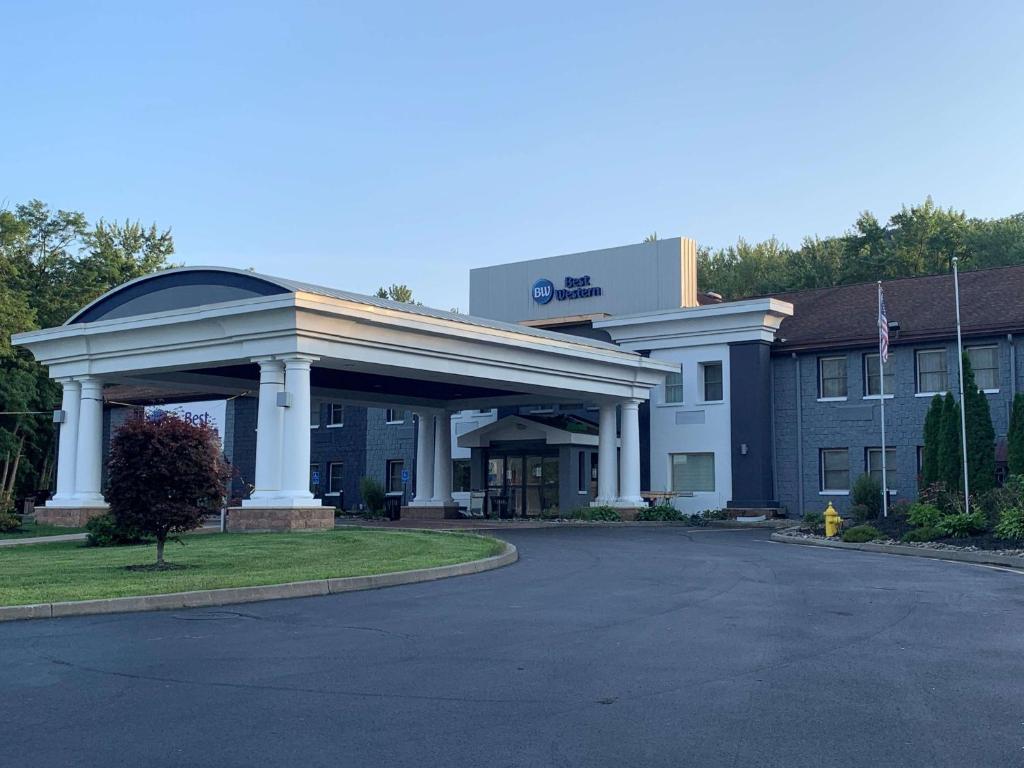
column 835, row 469
column 985, row 364
column 394, row 416
column 712, row 375
column 831, row 377
column 461, row 482
column 872, row 383
column 314, row 415
column 582, row 475
column 693, row 472
column 394, row 472
column 931, row 371
column 874, row 464
column 335, row 477
column 335, row 415
column 674, row 386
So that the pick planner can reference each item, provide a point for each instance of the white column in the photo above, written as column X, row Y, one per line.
column 295, row 444
column 607, row 471
column 443, row 459
column 67, row 450
column 89, row 452
column 269, row 429
column 424, row 458
column 629, row 460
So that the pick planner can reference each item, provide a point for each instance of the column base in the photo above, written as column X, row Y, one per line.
column 253, row 519
column 67, row 516
column 282, row 502
column 432, row 512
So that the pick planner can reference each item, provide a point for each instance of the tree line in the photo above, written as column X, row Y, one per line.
column 919, row 240
column 51, row 264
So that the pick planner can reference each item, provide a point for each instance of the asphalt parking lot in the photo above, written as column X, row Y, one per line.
column 601, row 647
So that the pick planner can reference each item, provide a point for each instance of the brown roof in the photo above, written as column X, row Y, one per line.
column 991, row 302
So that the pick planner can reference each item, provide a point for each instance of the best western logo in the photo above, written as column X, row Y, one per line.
column 575, row 288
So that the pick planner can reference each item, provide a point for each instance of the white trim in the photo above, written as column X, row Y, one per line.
column 876, row 397
column 927, row 394
column 991, row 391
column 334, row 426
column 832, row 399
column 833, row 493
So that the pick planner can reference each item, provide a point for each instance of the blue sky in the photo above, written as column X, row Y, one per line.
column 360, row 144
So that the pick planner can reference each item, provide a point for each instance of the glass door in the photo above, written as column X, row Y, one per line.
column 514, row 485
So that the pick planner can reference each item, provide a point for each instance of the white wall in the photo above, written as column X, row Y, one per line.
column 463, row 422
column 711, row 436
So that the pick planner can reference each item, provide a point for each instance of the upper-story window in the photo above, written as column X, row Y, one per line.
column 985, row 364
column 931, row 371
column 872, row 383
column 394, row 416
column 335, row 415
column 314, row 415
column 711, row 373
column 674, row 386
column 831, row 377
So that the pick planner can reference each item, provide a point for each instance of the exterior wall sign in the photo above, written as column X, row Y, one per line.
column 209, row 412
column 574, row 288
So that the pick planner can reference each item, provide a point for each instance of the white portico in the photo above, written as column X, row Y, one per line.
column 221, row 330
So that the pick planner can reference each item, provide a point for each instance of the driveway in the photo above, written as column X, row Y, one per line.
column 601, row 647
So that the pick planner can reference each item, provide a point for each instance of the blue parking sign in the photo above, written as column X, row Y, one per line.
column 405, row 475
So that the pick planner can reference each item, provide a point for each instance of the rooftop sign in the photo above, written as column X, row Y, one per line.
column 574, row 288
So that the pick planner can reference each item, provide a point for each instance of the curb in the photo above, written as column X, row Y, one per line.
column 212, row 597
column 981, row 557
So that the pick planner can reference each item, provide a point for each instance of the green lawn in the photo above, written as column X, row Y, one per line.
column 35, row 529
column 44, row 573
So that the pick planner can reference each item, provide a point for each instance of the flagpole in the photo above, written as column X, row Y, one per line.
column 963, row 409
column 881, row 400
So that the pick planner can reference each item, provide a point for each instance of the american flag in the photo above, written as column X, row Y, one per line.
column 883, row 327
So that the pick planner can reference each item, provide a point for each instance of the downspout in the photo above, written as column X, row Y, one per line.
column 1013, row 366
column 775, row 453
column 1013, row 377
column 799, row 440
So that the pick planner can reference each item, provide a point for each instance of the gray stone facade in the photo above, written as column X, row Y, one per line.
column 805, row 423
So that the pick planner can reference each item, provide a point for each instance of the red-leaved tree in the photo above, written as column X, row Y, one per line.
column 165, row 476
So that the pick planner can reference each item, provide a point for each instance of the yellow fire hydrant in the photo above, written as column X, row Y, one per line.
column 833, row 522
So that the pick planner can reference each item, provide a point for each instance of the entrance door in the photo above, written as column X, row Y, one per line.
column 541, row 485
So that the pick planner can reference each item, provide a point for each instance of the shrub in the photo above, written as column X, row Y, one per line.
column 813, row 522
column 924, row 515
column 1011, row 524
column 862, row 513
column 861, row 533
column 660, row 513
column 604, row 514
column 104, row 531
column 166, row 475
column 924, row 533
column 9, row 521
column 867, row 492
column 960, row 525
column 697, row 520
column 372, row 493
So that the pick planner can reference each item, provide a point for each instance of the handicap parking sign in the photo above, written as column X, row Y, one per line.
column 316, row 477
column 405, row 475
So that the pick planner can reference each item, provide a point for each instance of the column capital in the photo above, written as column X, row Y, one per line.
column 632, row 403
column 66, row 381
column 297, row 361
column 267, row 361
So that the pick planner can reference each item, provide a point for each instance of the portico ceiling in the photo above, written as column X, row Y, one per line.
column 201, row 328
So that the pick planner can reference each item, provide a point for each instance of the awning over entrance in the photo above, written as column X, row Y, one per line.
column 560, row 431
column 223, row 330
